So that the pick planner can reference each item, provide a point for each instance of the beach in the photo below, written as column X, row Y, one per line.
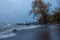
column 38, row 33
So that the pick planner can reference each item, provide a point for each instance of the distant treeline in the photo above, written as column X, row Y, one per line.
column 32, row 23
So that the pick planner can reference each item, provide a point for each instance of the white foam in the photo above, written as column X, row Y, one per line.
column 7, row 35
column 22, row 28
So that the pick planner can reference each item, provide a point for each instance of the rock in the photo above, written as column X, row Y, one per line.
column 15, row 30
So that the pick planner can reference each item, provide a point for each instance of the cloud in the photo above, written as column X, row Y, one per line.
column 13, row 11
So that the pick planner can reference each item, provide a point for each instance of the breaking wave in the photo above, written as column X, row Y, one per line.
column 7, row 30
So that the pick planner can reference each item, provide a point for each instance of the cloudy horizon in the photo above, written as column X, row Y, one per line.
column 15, row 11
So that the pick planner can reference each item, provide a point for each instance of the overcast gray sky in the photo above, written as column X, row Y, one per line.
column 14, row 11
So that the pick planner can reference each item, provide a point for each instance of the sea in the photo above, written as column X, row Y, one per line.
column 28, row 32
column 6, row 30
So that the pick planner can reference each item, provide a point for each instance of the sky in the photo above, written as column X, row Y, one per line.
column 17, row 11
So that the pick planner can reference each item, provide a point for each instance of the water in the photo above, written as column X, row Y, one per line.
column 17, row 27
column 55, row 32
column 30, row 32
column 7, row 30
column 7, row 35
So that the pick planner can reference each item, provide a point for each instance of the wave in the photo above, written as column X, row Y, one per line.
column 20, row 27
column 6, row 35
column 8, row 32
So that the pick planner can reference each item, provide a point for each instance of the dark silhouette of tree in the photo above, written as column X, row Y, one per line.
column 40, row 8
column 56, row 16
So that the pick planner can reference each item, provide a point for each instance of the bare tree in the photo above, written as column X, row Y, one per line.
column 40, row 8
column 56, row 16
